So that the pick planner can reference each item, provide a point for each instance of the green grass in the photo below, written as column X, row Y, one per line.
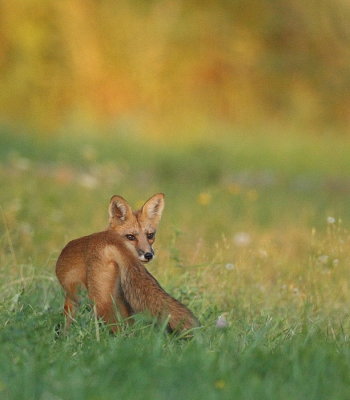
column 244, row 234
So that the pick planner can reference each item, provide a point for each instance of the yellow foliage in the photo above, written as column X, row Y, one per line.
column 163, row 63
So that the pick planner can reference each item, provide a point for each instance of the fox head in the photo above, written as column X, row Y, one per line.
column 137, row 228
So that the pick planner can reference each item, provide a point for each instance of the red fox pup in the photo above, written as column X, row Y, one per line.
column 110, row 264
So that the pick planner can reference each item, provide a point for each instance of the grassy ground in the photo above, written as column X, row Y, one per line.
column 254, row 231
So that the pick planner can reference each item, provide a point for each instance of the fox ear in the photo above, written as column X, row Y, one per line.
column 153, row 208
column 119, row 210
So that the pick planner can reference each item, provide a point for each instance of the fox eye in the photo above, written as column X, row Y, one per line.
column 130, row 237
column 150, row 235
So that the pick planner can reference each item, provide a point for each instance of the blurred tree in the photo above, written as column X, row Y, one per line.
column 232, row 60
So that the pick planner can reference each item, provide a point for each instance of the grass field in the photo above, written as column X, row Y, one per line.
column 255, row 230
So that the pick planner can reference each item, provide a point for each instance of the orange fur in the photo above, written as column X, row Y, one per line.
column 110, row 264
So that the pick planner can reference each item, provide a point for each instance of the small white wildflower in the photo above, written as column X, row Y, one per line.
column 230, row 266
column 221, row 322
column 242, row 239
column 263, row 253
column 330, row 220
column 22, row 163
column 323, row 259
column 88, row 181
column 335, row 262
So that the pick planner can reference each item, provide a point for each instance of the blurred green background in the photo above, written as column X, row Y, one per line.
column 184, row 69
column 239, row 111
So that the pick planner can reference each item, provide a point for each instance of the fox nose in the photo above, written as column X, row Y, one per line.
column 148, row 256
